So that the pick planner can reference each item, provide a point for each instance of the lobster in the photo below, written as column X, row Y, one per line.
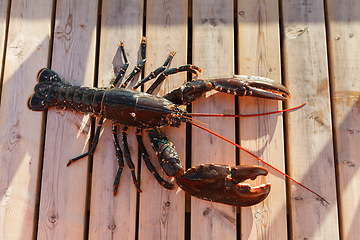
column 143, row 110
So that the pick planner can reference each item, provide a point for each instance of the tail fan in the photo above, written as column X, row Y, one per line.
column 39, row 101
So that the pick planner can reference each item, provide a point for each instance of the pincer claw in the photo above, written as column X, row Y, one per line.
column 250, row 86
column 223, row 184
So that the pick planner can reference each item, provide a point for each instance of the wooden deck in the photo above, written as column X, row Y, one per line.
column 310, row 46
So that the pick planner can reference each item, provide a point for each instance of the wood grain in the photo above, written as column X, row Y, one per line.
column 42, row 199
column 344, row 56
column 62, row 211
column 259, row 54
column 115, row 217
column 162, row 211
column 21, row 129
column 309, row 130
column 213, row 51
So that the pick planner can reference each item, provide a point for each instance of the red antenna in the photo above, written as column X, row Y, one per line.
column 243, row 115
column 238, row 146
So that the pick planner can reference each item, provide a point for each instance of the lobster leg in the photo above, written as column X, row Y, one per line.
column 163, row 75
column 119, row 156
column 118, row 152
column 127, row 156
column 148, row 163
column 94, row 144
column 123, row 69
column 156, row 72
column 137, row 69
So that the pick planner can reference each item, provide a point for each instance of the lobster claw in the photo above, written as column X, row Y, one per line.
column 250, row 86
column 223, row 184
column 238, row 85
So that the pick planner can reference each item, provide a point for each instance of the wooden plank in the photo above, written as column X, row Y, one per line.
column 21, row 129
column 162, row 212
column 4, row 14
column 309, row 130
column 115, row 217
column 344, row 58
column 213, row 51
column 62, row 211
column 259, row 54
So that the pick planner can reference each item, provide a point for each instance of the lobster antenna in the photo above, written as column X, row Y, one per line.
column 238, row 146
column 195, row 120
column 243, row 115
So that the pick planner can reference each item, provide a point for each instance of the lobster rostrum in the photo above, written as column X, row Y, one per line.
column 142, row 110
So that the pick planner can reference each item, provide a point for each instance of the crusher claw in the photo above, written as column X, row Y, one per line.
column 223, row 184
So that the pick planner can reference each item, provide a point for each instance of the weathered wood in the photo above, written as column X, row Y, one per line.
column 161, row 211
column 309, row 130
column 21, row 129
column 65, row 201
column 344, row 58
column 213, row 51
column 62, row 211
column 115, row 217
column 259, row 54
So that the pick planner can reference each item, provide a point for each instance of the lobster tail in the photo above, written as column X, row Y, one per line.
column 45, row 95
column 50, row 91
